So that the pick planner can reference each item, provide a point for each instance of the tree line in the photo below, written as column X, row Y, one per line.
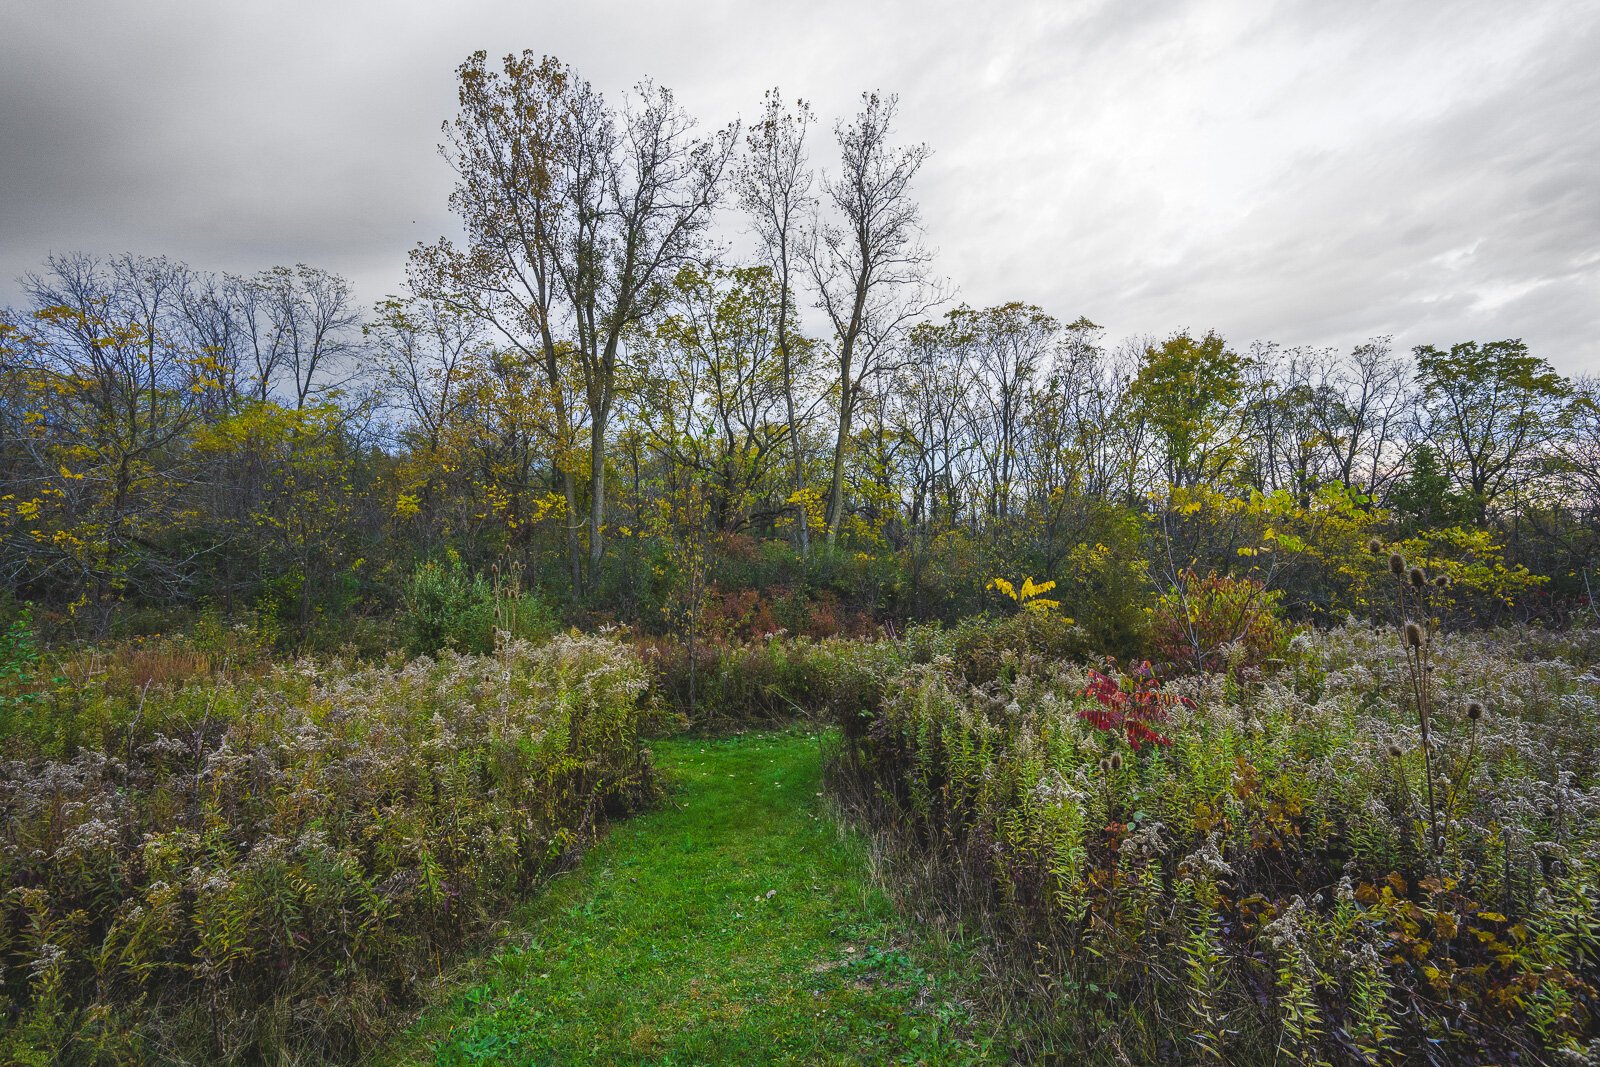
column 587, row 389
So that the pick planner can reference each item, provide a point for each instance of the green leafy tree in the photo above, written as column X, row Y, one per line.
column 1427, row 496
column 1491, row 410
column 1189, row 392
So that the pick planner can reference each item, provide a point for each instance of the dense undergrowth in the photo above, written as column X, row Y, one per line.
column 208, row 863
column 210, row 858
column 1237, row 871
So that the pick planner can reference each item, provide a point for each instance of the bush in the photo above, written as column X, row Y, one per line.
column 987, row 649
column 447, row 606
column 1256, row 886
column 265, row 869
column 1219, row 624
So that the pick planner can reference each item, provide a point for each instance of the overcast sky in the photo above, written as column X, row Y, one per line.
column 1306, row 173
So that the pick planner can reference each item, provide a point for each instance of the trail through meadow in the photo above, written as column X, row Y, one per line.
column 735, row 924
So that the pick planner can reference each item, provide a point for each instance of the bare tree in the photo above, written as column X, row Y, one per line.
column 639, row 198
column 300, row 326
column 774, row 186
column 1006, row 347
column 1360, row 413
column 575, row 221
column 868, row 264
column 423, row 350
column 108, row 372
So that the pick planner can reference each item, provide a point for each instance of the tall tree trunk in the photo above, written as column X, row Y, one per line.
column 797, row 462
column 597, row 493
column 836, row 489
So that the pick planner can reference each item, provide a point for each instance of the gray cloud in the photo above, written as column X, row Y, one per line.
column 1296, row 171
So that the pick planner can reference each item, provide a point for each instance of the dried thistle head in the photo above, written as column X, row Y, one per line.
column 1375, row 546
column 1418, row 579
column 1397, row 564
column 1475, row 710
column 1442, row 581
column 1415, row 635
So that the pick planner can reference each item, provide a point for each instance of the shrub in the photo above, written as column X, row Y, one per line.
column 1219, row 624
column 448, row 607
column 265, row 869
column 986, row 649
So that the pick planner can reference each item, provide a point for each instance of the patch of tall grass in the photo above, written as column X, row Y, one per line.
column 1258, row 880
column 205, row 865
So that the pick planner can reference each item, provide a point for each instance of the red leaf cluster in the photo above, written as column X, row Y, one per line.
column 1131, row 704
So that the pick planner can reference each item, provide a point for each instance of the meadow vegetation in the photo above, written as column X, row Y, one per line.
column 262, row 865
column 1239, row 699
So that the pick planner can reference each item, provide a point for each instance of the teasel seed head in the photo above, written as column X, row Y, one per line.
column 1375, row 546
column 1415, row 636
column 1105, row 765
column 1443, row 581
column 1418, row 579
column 1397, row 564
column 1395, row 751
column 1475, row 710
column 1115, row 761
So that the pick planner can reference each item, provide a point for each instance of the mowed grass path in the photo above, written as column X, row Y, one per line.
column 734, row 925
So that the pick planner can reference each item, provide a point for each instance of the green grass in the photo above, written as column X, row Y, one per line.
column 736, row 924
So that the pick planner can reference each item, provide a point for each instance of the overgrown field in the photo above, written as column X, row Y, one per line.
column 204, row 865
column 1364, row 845
column 1262, row 868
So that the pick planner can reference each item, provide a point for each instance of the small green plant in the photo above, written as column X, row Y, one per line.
column 19, row 660
column 447, row 606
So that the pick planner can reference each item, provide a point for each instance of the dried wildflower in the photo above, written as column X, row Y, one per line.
column 1375, row 546
column 1418, row 579
column 1395, row 751
column 1442, row 581
column 1415, row 636
column 1475, row 710
column 1115, row 761
column 1397, row 564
